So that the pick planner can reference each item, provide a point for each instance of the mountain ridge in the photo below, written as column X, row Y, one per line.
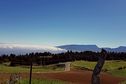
column 23, row 49
column 94, row 48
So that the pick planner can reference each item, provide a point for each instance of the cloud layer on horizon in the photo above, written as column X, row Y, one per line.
column 23, row 49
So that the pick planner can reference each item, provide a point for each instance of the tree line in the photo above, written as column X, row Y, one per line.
column 47, row 58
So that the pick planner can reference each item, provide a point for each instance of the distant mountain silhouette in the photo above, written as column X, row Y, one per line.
column 119, row 49
column 23, row 49
column 94, row 48
column 80, row 47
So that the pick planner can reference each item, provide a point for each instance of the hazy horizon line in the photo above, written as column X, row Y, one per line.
column 62, row 44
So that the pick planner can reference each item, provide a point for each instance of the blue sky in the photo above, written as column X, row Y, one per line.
column 58, row 22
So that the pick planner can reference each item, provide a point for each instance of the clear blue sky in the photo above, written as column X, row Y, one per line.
column 57, row 22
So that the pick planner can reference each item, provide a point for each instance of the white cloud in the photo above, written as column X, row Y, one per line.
column 22, row 49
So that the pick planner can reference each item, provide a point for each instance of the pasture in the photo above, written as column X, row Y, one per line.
column 116, row 68
column 25, row 69
column 35, row 81
column 80, row 73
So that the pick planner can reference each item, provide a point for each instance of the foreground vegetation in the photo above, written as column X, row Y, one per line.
column 22, row 69
column 124, row 82
column 116, row 68
column 35, row 81
column 38, row 81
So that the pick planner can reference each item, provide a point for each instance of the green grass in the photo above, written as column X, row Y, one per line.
column 83, row 64
column 124, row 82
column 109, row 66
column 35, row 81
column 114, row 65
column 121, row 73
column 21, row 69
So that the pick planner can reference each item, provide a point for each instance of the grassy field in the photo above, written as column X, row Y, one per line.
column 38, row 81
column 35, row 81
column 116, row 68
column 21, row 69
column 124, row 82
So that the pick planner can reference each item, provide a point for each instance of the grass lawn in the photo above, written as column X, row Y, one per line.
column 111, row 67
column 121, row 73
column 35, row 81
column 124, row 82
column 21, row 69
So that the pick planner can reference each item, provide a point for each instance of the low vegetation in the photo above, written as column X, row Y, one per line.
column 35, row 81
column 116, row 68
column 124, row 82
column 22, row 69
column 38, row 81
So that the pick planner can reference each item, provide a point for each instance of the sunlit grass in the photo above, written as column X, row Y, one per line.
column 111, row 67
column 21, row 69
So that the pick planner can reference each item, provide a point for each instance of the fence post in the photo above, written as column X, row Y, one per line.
column 96, row 72
column 30, row 71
